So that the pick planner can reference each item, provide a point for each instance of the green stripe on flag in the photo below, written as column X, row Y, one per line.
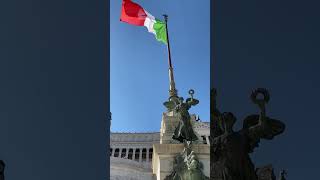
column 160, row 29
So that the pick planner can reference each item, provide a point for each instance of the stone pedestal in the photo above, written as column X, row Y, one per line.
column 168, row 124
column 163, row 157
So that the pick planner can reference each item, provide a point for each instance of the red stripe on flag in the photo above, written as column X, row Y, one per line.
column 132, row 13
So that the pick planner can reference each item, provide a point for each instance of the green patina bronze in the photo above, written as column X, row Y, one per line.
column 186, row 166
column 184, row 130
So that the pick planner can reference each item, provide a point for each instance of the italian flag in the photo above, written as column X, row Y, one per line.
column 134, row 14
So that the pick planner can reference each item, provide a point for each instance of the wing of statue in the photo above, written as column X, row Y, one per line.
column 271, row 129
column 192, row 101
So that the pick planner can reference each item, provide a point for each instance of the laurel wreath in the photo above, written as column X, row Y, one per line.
column 264, row 92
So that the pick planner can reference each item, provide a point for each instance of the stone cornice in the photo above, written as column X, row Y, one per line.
column 135, row 137
column 131, row 145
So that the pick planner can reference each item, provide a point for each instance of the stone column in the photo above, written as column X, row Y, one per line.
column 147, row 154
column 112, row 154
column 207, row 139
column 127, row 152
column 140, row 155
column 120, row 150
column 134, row 154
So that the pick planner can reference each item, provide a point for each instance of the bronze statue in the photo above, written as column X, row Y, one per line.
column 187, row 166
column 184, row 130
column 231, row 148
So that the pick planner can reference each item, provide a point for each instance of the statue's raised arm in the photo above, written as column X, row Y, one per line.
column 261, row 126
column 191, row 101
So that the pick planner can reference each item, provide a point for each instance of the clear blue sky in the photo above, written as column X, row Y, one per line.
column 139, row 63
column 273, row 44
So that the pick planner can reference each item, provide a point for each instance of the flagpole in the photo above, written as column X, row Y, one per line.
column 172, row 88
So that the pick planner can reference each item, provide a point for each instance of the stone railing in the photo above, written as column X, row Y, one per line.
column 122, row 161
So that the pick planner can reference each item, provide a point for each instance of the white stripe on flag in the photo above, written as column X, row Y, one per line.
column 149, row 22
